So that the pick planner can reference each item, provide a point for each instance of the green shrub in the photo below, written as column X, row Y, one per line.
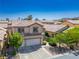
column 52, row 41
column 14, row 52
column 46, row 34
column 53, row 44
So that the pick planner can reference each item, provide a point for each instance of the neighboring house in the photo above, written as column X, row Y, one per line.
column 4, row 24
column 47, row 22
column 51, row 22
column 71, row 23
column 31, row 30
column 2, row 38
column 54, row 29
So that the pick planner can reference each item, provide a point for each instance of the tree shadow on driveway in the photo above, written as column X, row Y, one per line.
column 29, row 49
column 56, row 50
column 76, row 53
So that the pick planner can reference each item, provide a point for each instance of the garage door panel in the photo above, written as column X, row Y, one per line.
column 23, row 44
column 31, row 42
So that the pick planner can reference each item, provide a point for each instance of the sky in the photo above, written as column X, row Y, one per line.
column 49, row 9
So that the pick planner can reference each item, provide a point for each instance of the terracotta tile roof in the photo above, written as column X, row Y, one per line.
column 4, row 24
column 53, row 28
column 24, row 23
column 47, row 21
column 19, row 23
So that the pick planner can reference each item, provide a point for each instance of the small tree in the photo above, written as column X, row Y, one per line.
column 47, row 34
column 70, row 37
column 15, row 40
column 52, row 41
column 74, row 34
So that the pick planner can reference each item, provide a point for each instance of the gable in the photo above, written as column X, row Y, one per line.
column 24, row 23
column 36, row 24
column 40, row 28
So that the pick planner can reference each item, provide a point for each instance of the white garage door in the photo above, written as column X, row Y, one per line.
column 31, row 42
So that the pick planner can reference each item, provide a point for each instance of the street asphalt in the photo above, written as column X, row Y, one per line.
column 69, row 56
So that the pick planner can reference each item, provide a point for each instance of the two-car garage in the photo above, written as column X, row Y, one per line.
column 31, row 42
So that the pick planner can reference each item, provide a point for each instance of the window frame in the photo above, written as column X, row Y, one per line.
column 35, row 29
column 21, row 29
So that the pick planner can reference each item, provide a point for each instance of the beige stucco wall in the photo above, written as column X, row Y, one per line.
column 14, row 29
column 51, row 33
column 1, row 45
column 35, row 37
column 26, row 29
column 31, row 37
column 40, row 29
column 29, row 29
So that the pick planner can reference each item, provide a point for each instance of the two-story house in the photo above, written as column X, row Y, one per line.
column 31, row 30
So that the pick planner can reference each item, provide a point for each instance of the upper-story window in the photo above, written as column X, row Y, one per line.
column 35, row 29
column 21, row 30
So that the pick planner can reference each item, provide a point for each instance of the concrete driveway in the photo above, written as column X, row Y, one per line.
column 33, row 52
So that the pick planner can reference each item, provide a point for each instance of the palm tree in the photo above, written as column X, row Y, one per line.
column 36, row 19
column 43, row 19
column 7, row 19
column 29, row 17
column 25, row 19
